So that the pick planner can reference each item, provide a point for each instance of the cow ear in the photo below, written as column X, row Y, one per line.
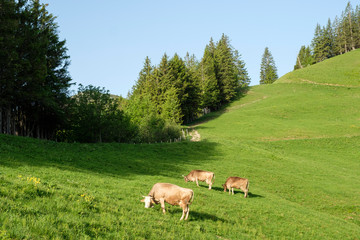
column 142, row 200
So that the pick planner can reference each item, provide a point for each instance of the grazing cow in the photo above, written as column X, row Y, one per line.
column 172, row 194
column 200, row 175
column 237, row 182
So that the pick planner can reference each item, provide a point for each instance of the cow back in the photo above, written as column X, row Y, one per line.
column 236, row 182
column 171, row 193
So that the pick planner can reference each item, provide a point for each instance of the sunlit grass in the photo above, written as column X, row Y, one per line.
column 298, row 144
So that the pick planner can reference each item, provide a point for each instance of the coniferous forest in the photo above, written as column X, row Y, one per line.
column 34, row 86
column 338, row 37
column 35, row 99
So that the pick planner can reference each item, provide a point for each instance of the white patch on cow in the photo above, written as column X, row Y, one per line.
column 147, row 201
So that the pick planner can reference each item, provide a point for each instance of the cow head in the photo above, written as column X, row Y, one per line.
column 148, row 200
column 224, row 186
column 185, row 178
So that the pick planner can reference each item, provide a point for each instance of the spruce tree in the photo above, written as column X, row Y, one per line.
column 210, row 90
column 318, row 44
column 186, row 88
column 224, row 58
column 268, row 71
column 142, row 85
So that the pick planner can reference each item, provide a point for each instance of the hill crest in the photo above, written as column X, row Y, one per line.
column 342, row 70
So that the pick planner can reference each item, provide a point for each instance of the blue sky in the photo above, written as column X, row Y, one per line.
column 108, row 40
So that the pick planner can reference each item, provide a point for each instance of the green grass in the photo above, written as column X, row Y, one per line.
column 340, row 70
column 296, row 141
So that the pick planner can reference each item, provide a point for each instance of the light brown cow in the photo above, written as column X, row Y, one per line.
column 237, row 182
column 172, row 194
column 200, row 175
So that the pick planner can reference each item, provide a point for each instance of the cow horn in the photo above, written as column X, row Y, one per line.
column 183, row 175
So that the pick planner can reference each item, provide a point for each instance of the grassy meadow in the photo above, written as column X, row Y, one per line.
column 297, row 141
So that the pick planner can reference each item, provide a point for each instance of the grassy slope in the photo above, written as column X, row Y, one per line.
column 296, row 141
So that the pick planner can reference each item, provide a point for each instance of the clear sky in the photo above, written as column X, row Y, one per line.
column 108, row 40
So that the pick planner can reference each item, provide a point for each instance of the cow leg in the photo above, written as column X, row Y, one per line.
column 187, row 212
column 210, row 184
column 246, row 192
column 162, row 202
column 197, row 183
column 183, row 214
column 229, row 190
column 232, row 191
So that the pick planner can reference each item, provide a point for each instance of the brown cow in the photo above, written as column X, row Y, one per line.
column 200, row 175
column 237, row 182
column 172, row 194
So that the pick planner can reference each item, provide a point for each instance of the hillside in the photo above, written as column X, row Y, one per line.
column 297, row 141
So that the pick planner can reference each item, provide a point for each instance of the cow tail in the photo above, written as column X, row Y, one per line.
column 247, row 185
column 213, row 179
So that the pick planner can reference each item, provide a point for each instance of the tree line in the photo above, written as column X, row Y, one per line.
column 34, row 80
column 35, row 99
column 339, row 36
column 179, row 90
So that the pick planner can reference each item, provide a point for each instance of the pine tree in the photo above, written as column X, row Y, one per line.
column 224, row 58
column 268, row 71
column 142, row 85
column 304, row 58
column 357, row 26
column 318, row 44
column 39, row 80
column 187, row 90
column 241, row 74
column 210, row 90
column 328, row 40
column 171, row 108
column 349, row 26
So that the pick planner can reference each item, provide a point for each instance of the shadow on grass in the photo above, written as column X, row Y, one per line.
column 220, row 189
column 217, row 113
column 199, row 216
column 250, row 195
column 120, row 160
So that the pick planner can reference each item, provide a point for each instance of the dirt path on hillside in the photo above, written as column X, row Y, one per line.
column 327, row 84
column 245, row 104
column 270, row 139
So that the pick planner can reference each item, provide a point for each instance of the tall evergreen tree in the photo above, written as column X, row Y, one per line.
column 38, row 64
column 227, row 81
column 304, row 58
column 268, row 71
column 349, row 25
column 241, row 74
column 210, row 90
column 188, row 92
column 142, row 85
column 318, row 44
column 328, row 40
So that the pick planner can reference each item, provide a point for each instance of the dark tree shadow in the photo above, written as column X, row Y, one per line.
column 114, row 159
column 217, row 113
